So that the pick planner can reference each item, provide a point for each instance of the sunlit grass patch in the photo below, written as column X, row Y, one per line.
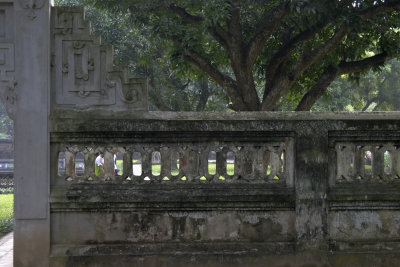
column 6, row 213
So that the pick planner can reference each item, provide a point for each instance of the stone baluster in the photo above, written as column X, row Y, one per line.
column 90, row 159
column 221, row 163
column 127, row 167
column 166, row 163
column 203, row 162
column 239, row 163
column 204, row 170
column 259, row 163
column 190, row 163
column 155, row 168
column 248, row 163
column 345, row 159
column 69, row 164
column 146, row 165
column 275, row 164
column 378, row 165
column 108, row 165
column 359, row 163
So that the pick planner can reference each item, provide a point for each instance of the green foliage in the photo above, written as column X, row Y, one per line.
column 7, row 190
column 373, row 91
column 6, row 124
column 6, row 213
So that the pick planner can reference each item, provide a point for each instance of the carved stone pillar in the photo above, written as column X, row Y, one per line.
column 24, row 90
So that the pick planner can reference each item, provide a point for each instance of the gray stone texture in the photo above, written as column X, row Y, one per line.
column 301, row 193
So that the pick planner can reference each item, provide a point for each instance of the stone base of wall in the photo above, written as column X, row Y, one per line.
column 316, row 259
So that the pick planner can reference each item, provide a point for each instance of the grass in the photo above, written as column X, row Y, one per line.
column 212, row 170
column 120, row 166
column 6, row 213
column 212, row 167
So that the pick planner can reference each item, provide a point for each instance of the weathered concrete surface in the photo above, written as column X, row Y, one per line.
column 318, row 220
column 130, row 227
column 364, row 225
column 24, row 91
column 251, row 260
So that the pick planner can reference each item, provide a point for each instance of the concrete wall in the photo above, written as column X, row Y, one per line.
column 329, row 215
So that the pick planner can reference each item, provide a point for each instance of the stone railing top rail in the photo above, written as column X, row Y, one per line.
column 240, row 116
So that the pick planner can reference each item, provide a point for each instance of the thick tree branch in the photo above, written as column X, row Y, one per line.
column 286, row 80
column 220, row 35
column 204, row 94
column 364, row 64
column 238, row 56
column 331, row 73
column 369, row 103
column 288, row 47
column 317, row 90
column 216, row 31
column 307, row 59
column 187, row 18
column 267, row 27
column 156, row 95
column 235, row 24
column 226, row 82
column 236, row 52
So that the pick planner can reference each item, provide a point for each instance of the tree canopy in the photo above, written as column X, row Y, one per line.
column 263, row 53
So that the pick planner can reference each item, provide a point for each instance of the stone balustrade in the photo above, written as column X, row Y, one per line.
column 367, row 162
column 174, row 162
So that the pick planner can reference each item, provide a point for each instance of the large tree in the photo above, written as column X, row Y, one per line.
column 263, row 51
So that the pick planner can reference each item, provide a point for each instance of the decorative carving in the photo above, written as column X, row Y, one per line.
column 32, row 5
column 85, row 74
column 65, row 23
column 69, row 21
column 83, row 93
column 132, row 96
column 65, row 68
column 6, row 57
column 79, row 45
column 7, row 82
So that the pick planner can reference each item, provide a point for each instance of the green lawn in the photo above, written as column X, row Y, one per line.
column 6, row 213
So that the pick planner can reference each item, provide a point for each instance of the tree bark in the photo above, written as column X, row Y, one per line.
column 204, row 94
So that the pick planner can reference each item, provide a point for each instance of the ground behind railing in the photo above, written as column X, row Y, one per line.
column 6, row 211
